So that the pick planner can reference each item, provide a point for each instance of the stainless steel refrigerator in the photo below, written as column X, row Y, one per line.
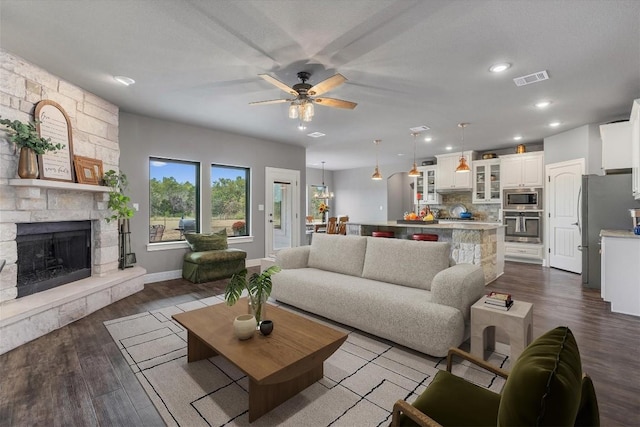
column 605, row 204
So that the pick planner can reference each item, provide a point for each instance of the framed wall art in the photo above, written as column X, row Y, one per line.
column 88, row 171
column 53, row 122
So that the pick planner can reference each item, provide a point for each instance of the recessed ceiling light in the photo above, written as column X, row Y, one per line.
column 517, row 138
column 448, row 148
column 127, row 81
column 498, row 68
column 400, row 154
column 428, row 139
column 315, row 134
column 543, row 104
column 554, row 124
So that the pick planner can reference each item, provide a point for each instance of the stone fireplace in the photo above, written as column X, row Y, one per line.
column 27, row 204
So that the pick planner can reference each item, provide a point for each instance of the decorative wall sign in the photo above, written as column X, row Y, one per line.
column 53, row 122
column 88, row 170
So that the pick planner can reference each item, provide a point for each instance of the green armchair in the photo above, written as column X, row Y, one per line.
column 545, row 387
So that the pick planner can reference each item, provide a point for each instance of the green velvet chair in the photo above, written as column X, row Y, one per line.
column 546, row 387
column 211, row 259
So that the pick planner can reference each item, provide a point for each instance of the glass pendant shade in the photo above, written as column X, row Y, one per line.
column 306, row 111
column 293, row 111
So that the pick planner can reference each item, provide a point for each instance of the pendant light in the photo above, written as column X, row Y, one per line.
column 462, row 166
column 377, row 176
column 324, row 194
column 414, row 172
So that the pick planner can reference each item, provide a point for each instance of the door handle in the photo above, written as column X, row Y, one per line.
column 575, row 223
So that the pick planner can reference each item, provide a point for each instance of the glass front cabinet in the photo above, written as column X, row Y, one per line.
column 424, row 191
column 486, row 181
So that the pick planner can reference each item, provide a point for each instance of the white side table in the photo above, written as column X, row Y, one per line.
column 517, row 322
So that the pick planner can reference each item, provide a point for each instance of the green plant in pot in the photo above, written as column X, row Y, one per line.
column 120, row 211
column 25, row 136
column 258, row 287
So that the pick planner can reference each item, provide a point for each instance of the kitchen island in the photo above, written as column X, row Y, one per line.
column 471, row 243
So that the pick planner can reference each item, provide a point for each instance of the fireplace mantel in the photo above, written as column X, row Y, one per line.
column 61, row 185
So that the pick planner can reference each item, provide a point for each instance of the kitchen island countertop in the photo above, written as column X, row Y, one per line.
column 460, row 225
column 619, row 233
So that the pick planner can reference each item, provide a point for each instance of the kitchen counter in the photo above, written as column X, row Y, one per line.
column 480, row 243
column 619, row 233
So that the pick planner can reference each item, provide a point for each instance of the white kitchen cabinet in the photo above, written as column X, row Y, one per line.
column 486, row 181
column 424, row 190
column 522, row 170
column 524, row 252
column 616, row 145
column 620, row 270
column 446, row 176
column 634, row 120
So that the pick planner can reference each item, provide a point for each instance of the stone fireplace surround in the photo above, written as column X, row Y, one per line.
column 26, row 318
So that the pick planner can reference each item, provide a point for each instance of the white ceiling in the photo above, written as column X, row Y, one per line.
column 408, row 63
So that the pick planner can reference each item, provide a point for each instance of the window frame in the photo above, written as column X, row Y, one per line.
column 197, row 198
column 247, row 189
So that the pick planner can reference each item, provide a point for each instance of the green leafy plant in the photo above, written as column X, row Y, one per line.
column 258, row 286
column 26, row 135
column 118, row 201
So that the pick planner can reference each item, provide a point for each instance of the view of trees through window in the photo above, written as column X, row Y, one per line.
column 174, row 193
column 230, row 199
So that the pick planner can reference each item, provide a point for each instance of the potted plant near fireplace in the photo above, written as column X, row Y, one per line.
column 122, row 212
column 25, row 136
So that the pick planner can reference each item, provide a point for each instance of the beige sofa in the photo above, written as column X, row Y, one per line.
column 402, row 290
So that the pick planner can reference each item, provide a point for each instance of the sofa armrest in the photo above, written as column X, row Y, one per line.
column 290, row 258
column 458, row 286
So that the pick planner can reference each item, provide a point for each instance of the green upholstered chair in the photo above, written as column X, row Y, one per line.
column 546, row 387
column 211, row 259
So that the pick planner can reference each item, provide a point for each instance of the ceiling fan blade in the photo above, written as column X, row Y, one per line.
column 271, row 101
column 277, row 83
column 337, row 103
column 327, row 84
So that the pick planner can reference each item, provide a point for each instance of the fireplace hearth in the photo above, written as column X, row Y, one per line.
column 51, row 254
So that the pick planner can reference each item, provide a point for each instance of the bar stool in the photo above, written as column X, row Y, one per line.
column 425, row 237
column 389, row 234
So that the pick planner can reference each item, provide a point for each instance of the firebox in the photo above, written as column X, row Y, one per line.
column 51, row 254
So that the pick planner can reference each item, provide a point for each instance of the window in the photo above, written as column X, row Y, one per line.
column 174, row 193
column 230, row 199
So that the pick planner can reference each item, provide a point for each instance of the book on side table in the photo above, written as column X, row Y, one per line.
column 499, row 300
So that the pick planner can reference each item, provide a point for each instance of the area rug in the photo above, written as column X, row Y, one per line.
column 362, row 379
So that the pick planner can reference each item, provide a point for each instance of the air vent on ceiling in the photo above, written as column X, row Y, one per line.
column 419, row 129
column 531, row 78
column 315, row 134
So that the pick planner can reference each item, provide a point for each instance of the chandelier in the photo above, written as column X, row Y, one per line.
column 414, row 172
column 324, row 194
column 462, row 165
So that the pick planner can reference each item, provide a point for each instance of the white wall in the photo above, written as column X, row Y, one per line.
column 582, row 142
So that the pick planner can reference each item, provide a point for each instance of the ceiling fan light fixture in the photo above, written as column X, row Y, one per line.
column 293, row 111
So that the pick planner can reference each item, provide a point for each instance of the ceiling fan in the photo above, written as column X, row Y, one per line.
column 306, row 95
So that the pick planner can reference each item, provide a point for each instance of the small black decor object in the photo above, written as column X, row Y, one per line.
column 266, row 327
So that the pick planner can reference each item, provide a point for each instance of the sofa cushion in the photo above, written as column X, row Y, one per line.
column 405, row 262
column 545, row 384
column 337, row 253
column 207, row 242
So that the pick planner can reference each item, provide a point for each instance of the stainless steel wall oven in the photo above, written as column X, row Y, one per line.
column 522, row 226
column 522, row 198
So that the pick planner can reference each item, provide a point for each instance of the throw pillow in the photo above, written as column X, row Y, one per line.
column 207, row 242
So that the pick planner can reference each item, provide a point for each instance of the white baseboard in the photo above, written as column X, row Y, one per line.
column 176, row 274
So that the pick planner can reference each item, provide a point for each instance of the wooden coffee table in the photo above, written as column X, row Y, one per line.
column 279, row 365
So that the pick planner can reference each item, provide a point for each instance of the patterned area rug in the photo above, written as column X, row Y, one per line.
column 362, row 379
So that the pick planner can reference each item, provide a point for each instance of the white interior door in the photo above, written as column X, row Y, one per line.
column 282, row 194
column 563, row 208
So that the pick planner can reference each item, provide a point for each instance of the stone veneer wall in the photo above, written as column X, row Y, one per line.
column 94, row 124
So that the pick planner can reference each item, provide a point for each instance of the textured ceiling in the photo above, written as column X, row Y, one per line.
column 408, row 63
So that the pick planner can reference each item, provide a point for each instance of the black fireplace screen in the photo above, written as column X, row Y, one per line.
column 51, row 254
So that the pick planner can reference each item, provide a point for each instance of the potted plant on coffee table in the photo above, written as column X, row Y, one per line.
column 258, row 288
column 25, row 136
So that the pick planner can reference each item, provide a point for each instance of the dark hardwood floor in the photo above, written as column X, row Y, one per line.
column 76, row 376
